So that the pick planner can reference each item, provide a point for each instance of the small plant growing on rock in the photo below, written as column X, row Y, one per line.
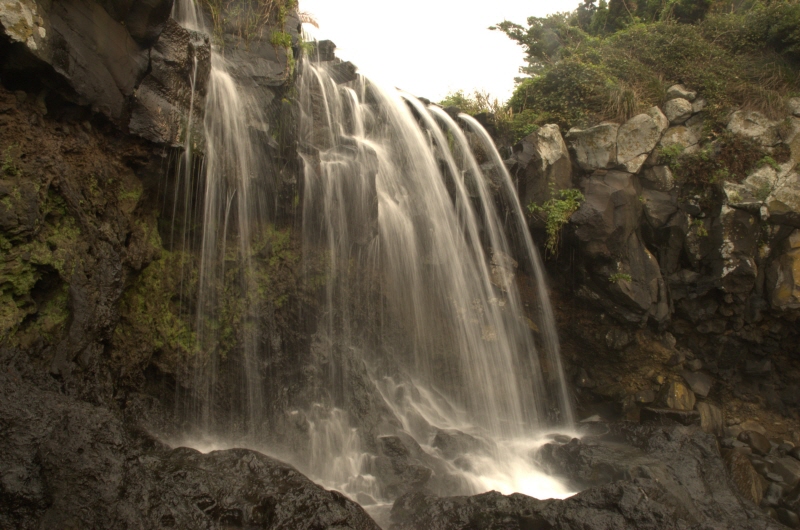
column 620, row 276
column 670, row 154
column 769, row 161
column 9, row 167
column 700, row 228
column 556, row 213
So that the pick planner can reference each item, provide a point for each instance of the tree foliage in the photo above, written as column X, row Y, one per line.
column 611, row 60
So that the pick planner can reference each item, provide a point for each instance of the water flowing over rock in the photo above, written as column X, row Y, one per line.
column 396, row 199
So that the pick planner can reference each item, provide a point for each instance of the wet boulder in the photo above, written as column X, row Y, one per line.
column 643, row 477
column 176, row 85
column 70, row 464
column 453, row 443
column 737, row 270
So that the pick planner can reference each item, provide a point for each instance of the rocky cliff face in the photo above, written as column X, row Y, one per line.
column 685, row 250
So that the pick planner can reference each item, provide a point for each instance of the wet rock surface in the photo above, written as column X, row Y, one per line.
column 70, row 464
column 637, row 477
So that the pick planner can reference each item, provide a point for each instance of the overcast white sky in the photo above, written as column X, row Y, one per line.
column 429, row 47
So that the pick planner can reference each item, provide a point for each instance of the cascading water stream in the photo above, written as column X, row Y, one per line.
column 393, row 189
column 405, row 216
column 234, row 176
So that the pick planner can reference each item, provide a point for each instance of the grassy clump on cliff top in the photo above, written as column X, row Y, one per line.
column 247, row 19
column 610, row 61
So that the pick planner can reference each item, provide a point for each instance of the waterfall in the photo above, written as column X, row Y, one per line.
column 234, row 181
column 393, row 190
column 386, row 174
column 423, row 332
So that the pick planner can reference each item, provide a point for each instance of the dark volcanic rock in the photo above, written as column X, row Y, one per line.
column 656, row 416
column 664, row 477
column 180, row 60
column 67, row 464
column 757, row 442
column 91, row 58
column 453, row 443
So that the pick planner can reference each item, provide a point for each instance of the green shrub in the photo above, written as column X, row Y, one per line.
column 620, row 62
column 620, row 276
column 556, row 213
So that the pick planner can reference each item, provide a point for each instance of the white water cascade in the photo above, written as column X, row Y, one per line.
column 426, row 247
column 393, row 190
column 234, row 185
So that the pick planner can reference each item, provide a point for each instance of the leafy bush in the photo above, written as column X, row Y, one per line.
column 556, row 213
column 620, row 276
column 615, row 60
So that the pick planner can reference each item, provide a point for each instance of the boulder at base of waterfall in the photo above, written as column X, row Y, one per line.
column 70, row 464
column 699, row 382
column 594, row 148
column 640, row 477
column 453, row 443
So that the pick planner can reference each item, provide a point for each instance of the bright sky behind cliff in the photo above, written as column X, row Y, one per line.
column 429, row 47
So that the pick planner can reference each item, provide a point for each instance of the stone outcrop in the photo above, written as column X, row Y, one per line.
column 68, row 463
column 639, row 478
column 541, row 162
column 637, row 137
column 95, row 59
column 594, row 148
column 175, row 87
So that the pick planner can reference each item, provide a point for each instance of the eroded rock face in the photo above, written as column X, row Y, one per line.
column 784, row 275
column 639, row 477
column 94, row 59
column 607, row 223
column 174, row 88
column 542, row 163
column 637, row 137
column 594, row 148
column 68, row 464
